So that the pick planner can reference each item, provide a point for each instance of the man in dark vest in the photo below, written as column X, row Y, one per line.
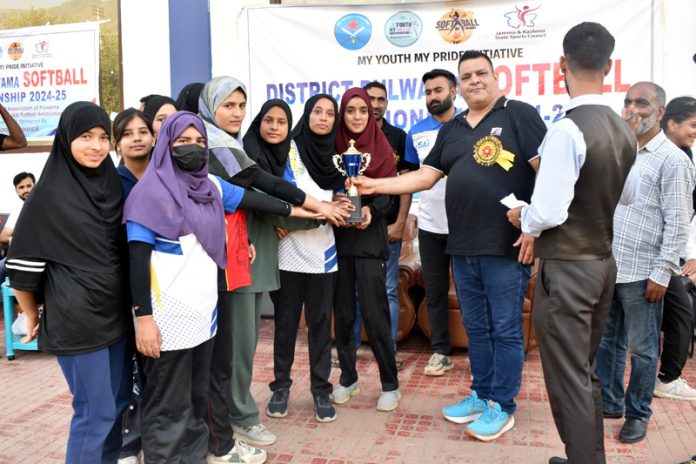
column 586, row 158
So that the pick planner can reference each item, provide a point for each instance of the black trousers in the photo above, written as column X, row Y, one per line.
column 316, row 291
column 436, row 275
column 677, row 325
column 370, row 276
column 175, row 404
column 571, row 306
column 220, row 441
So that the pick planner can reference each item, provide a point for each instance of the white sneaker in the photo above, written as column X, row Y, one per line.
column 388, row 401
column 437, row 365
column 241, row 453
column 342, row 394
column 129, row 460
column 257, row 435
column 674, row 390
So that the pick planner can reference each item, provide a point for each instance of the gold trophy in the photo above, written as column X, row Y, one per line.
column 352, row 163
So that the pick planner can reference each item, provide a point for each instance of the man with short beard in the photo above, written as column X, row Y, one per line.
column 440, row 92
column 487, row 152
column 23, row 183
column 649, row 238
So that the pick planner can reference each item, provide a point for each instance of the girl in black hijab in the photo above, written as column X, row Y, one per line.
column 157, row 109
column 317, row 150
column 66, row 253
column 188, row 97
column 308, row 264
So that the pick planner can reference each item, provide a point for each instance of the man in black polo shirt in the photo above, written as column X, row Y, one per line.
column 396, row 218
column 487, row 152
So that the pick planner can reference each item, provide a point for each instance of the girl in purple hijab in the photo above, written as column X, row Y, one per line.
column 176, row 233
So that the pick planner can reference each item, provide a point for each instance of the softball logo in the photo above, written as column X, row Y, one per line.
column 456, row 26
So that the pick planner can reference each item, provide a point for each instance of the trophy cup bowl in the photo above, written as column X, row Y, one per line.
column 352, row 163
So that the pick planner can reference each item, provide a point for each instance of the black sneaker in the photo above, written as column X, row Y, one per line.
column 323, row 409
column 278, row 405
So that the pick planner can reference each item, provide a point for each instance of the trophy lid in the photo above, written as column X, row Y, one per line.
column 351, row 149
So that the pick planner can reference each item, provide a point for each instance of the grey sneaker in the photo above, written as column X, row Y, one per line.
column 257, row 435
column 342, row 394
column 323, row 409
column 241, row 453
column 388, row 401
column 437, row 365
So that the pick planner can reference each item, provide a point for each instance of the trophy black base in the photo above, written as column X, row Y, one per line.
column 356, row 216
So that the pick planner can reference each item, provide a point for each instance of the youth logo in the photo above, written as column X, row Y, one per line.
column 353, row 31
column 403, row 29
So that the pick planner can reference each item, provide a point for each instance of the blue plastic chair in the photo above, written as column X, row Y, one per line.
column 12, row 341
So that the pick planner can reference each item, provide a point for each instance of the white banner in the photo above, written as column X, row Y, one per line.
column 43, row 70
column 296, row 52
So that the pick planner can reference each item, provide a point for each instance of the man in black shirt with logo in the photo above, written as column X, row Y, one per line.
column 487, row 152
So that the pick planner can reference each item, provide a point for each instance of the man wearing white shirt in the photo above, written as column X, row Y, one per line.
column 23, row 183
column 440, row 92
column 585, row 160
column 649, row 238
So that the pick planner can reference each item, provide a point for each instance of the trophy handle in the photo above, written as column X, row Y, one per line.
column 365, row 160
column 337, row 161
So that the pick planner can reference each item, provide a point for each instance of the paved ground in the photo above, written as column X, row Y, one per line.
column 35, row 413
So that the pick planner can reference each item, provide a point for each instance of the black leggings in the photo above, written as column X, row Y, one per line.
column 316, row 291
column 677, row 325
column 370, row 276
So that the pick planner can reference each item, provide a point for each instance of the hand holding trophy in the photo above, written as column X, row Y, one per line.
column 352, row 163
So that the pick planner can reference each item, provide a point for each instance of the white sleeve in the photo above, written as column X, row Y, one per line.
column 562, row 155
column 12, row 220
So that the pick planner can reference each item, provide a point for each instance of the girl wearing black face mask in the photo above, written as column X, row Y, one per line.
column 176, row 235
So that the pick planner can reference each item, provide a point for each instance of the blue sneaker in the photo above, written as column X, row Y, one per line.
column 493, row 423
column 468, row 410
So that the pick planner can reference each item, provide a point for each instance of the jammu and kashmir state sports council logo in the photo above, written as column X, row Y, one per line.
column 15, row 50
column 456, row 26
column 403, row 29
column 521, row 17
column 353, row 31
